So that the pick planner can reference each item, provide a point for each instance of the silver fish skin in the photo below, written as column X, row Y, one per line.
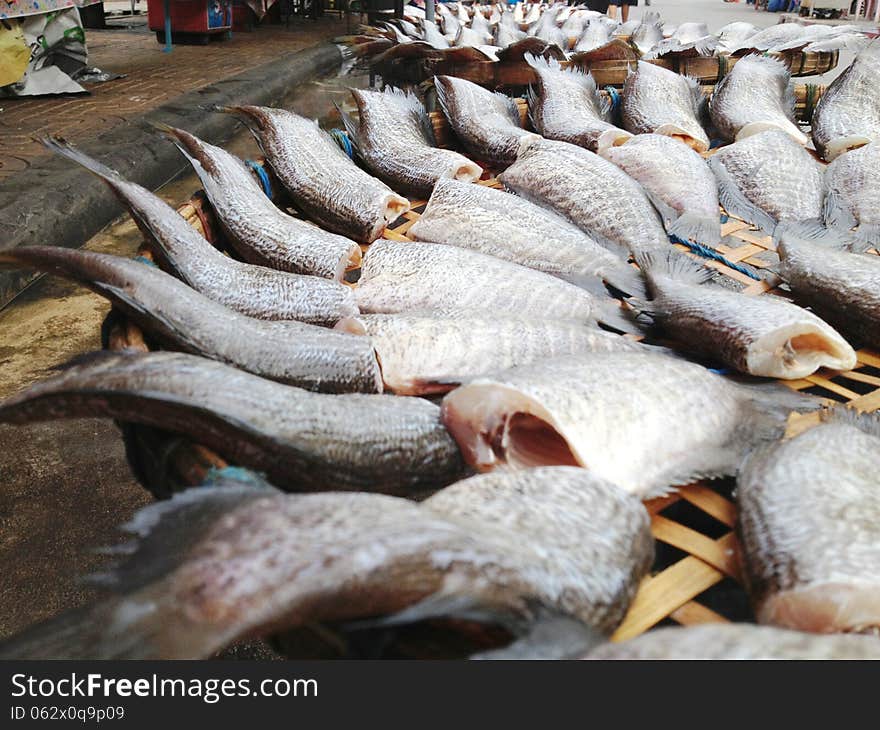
column 738, row 641
column 768, row 179
column 393, row 137
column 758, row 335
column 511, row 549
column 848, row 114
column 808, row 519
column 430, row 352
column 644, row 421
column 505, row 36
column 432, row 35
column 471, row 38
column 594, row 35
column 661, row 101
column 766, row 38
column 302, row 441
column 732, row 34
column 255, row 291
column 514, row 229
column 593, row 193
column 259, row 231
column 403, row 277
column 677, row 180
column 853, row 193
column 647, row 34
column 755, row 95
column 566, row 105
column 321, row 179
column 180, row 318
column 487, row 123
column 841, row 285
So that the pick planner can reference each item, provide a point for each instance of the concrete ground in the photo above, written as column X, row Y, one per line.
column 65, row 486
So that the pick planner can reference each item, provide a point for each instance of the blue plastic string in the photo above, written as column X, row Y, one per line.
column 236, row 473
column 711, row 253
column 343, row 141
column 615, row 99
column 262, row 175
column 145, row 260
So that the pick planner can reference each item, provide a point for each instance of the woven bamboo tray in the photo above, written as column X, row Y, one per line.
column 696, row 577
column 610, row 70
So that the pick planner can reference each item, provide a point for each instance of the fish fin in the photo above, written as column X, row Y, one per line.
column 442, row 99
column 869, row 423
column 127, row 626
column 813, row 230
column 867, row 235
column 352, row 128
column 666, row 211
column 188, row 145
column 767, row 407
column 622, row 277
column 542, row 63
column 533, row 101
column 735, row 202
column 697, row 96
column 436, row 605
column 592, row 283
column 549, row 636
column 789, row 102
column 836, row 212
column 670, row 263
column 695, row 227
column 611, row 314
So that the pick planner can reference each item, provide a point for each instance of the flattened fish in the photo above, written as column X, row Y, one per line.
column 487, row 123
column 738, row 641
column 853, row 193
column 648, row 33
column 809, row 527
column 841, row 285
column 677, row 180
column 767, row 38
column 512, row 228
column 302, row 441
column 405, row 277
column 512, row 550
column 394, row 138
column 848, row 114
column 431, row 352
column 661, row 101
column 759, row 335
column 756, row 95
column 566, row 105
column 322, row 181
column 733, row 34
column 768, row 179
column 182, row 319
column 256, row 291
column 644, row 421
column 594, row 194
column 258, row 231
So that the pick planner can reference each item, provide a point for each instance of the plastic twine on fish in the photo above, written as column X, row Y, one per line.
column 262, row 175
column 236, row 473
column 711, row 253
column 812, row 91
column 341, row 138
column 723, row 67
column 615, row 99
column 145, row 260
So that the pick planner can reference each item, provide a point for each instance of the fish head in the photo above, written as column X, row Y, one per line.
column 609, row 139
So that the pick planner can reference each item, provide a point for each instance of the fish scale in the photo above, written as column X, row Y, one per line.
column 256, row 291
column 809, row 525
column 591, row 192
column 322, row 180
column 511, row 550
column 300, row 440
column 258, row 231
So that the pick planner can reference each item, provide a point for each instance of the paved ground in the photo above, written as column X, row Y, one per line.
column 65, row 486
column 152, row 79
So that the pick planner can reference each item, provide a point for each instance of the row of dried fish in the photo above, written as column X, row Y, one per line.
column 577, row 29
column 549, row 557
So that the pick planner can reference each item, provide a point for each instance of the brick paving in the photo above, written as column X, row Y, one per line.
column 152, row 79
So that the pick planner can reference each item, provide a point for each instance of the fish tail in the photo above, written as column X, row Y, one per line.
column 836, row 212
column 351, row 127
column 61, row 146
column 625, row 279
column 699, row 228
column 867, row 235
column 734, row 200
column 670, row 263
column 190, row 145
column 867, row 422
column 766, row 408
column 815, row 231
column 550, row 636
